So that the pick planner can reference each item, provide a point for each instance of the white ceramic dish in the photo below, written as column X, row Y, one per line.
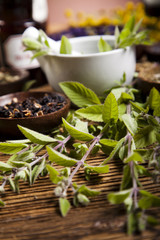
column 95, row 70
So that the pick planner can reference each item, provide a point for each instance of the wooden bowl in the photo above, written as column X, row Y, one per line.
column 15, row 86
column 148, row 76
column 43, row 124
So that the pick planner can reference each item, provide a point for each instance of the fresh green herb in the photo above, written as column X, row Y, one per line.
column 125, row 129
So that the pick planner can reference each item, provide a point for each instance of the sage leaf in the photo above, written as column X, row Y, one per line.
column 2, row 204
column 145, row 137
column 130, row 123
column 92, row 113
column 110, row 109
column 87, row 191
column 32, row 44
column 5, row 166
column 64, row 205
column 97, row 169
column 11, row 148
column 154, row 98
column 82, row 199
column 60, row 158
column 119, row 197
column 36, row 137
column 82, row 126
column 65, row 47
column 103, row 46
column 38, row 170
column 53, row 174
column 115, row 150
column 135, row 157
column 148, row 200
column 77, row 134
column 79, row 94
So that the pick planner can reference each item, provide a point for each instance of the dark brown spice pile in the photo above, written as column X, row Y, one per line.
column 32, row 107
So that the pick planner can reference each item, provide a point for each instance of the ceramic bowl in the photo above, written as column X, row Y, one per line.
column 98, row 71
column 43, row 124
column 13, row 86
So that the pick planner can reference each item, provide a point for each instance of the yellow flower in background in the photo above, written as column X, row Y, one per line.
column 119, row 16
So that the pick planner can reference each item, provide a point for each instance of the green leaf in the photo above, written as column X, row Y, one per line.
column 119, row 197
column 131, row 123
column 118, row 92
column 92, row 113
column 137, row 107
column 11, row 148
column 110, row 110
column 28, row 85
column 38, row 170
column 108, row 142
column 97, row 169
column 5, row 166
column 79, row 94
column 36, row 137
column 53, row 174
column 60, row 158
column 115, row 150
column 64, row 205
column 12, row 184
column 77, row 134
column 126, row 179
column 2, row 204
column 82, row 126
column 145, row 137
column 154, row 99
column 143, row 171
column 82, row 199
column 135, row 157
column 148, row 200
column 87, row 191
column 39, row 54
column 65, row 47
column 32, row 44
column 103, row 46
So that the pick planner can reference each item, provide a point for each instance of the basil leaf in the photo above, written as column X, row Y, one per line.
column 64, row 205
column 103, row 46
column 110, row 109
column 11, row 148
column 65, row 47
column 60, row 158
column 79, row 94
column 77, row 134
column 36, row 137
column 92, row 113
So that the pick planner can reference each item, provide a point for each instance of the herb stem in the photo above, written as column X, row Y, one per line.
column 81, row 162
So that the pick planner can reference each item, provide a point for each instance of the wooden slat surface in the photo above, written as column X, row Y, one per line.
column 33, row 214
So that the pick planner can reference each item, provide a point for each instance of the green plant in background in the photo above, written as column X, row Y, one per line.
column 126, row 129
column 129, row 36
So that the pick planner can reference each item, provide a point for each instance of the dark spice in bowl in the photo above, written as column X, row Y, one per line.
column 32, row 107
column 38, row 111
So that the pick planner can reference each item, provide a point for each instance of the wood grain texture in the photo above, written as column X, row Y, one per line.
column 33, row 214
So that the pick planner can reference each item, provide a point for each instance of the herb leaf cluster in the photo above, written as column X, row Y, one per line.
column 130, row 35
column 126, row 129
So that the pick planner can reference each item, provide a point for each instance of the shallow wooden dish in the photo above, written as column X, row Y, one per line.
column 148, row 76
column 43, row 124
column 15, row 86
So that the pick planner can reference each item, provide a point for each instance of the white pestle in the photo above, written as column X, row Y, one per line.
column 33, row 33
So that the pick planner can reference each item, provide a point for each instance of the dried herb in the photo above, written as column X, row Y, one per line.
column 126, row 128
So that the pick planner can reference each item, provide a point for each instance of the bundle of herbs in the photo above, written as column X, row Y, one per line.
column 125, row 129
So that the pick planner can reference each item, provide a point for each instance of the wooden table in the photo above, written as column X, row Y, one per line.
column 33, row 214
